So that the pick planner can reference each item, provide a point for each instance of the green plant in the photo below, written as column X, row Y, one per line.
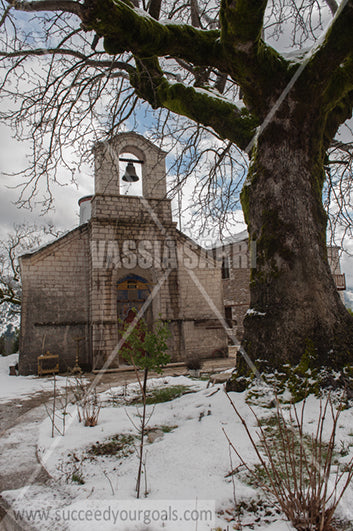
column 344, row 449
column 72, row 470
column 295, row 469
column 87, row 402
column 77, row 478
column 58, row 410
column 254, row 510
column 16, row 343
column 89, row 408
column 145, row 347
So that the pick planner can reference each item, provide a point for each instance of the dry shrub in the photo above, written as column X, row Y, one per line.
column 296, row 468
column 89, row 409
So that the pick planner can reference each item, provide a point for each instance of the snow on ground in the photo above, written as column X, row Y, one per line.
column 185, row 468
column 182, row 454
column 22, row 387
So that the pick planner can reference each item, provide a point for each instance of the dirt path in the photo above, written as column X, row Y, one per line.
column 19, row 423
column 20, row 439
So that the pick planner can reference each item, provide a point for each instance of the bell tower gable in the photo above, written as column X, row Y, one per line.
column 147, row 159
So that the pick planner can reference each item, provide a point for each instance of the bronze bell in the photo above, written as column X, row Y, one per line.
column 130, row 174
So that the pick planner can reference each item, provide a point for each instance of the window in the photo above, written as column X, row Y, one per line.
column 228, row 316
column 225, row 267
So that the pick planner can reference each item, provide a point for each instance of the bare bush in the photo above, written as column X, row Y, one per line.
column 89, row 409
column 296, row 469
column 79, row 390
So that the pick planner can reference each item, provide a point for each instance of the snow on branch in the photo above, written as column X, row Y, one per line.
column 198, row 104
column 125, row 28
column 336, row 45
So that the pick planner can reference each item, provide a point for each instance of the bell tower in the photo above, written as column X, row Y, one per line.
column 124, row 229
column 130, row 155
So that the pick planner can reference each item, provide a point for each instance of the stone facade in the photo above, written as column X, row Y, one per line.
column 236, row 266
column 333, row 254
column 127, row 255
column 55, row 305
column 235, row 281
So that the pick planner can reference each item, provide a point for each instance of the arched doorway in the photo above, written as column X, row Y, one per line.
column 132, row 293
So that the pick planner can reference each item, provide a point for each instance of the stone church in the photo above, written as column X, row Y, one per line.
column 127, row 254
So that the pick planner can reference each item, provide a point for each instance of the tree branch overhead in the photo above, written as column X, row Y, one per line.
column 68, row 6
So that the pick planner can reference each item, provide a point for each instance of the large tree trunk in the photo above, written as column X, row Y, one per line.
column 293, row 296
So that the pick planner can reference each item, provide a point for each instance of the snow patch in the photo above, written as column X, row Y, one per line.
column 254, row 312
column 23, row 387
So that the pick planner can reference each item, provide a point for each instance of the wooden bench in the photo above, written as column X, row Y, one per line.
column 48, row 359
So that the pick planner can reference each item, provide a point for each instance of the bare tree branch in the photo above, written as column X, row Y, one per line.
column 68, row 6
column 73, row 53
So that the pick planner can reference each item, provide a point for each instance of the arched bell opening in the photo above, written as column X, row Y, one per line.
column 130, row 172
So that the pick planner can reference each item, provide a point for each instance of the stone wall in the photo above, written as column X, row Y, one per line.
column 176, row 296
column 236, row 293
column 123, row 221
column 201, row 296
column 130, row 234
column 55, row 302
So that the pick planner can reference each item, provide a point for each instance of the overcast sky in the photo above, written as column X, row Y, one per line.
column 65, row 213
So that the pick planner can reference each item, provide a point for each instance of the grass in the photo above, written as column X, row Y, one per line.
column 120, row 445
column 254, row 510
column 271, row 430
column 203, row 378
column 165, row 428
column 168, row 429
column 166, row 394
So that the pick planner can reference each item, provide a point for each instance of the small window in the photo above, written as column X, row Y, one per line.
column 228, row 316
column 225, row 267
